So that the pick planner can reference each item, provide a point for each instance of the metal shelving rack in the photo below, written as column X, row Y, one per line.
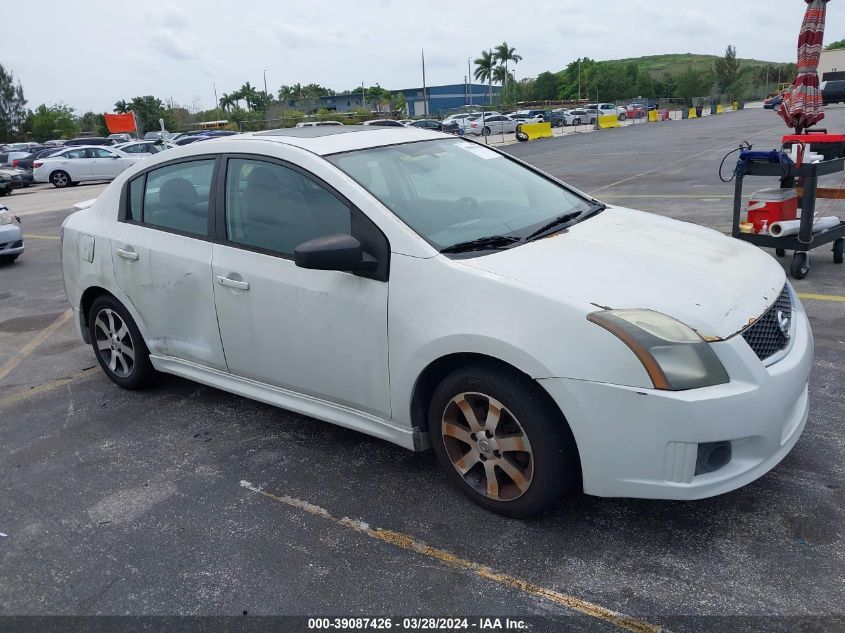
column 806, row 240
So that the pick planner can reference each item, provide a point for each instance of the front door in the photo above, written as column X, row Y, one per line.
column 162, row 261
column 314, row 332
column 105, row 165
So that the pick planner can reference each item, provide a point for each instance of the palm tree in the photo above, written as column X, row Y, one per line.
column 501, row 75
column 121, row 107
column 484, row 70
column 248, row 93
column 227, row 102
column 504, row 53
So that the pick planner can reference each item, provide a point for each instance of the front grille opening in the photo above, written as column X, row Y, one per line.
column 712, row 456
column 765, row 336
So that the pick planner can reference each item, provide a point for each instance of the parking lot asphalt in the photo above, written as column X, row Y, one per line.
column 188, row 500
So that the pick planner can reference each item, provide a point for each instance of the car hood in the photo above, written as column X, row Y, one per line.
column 621, row 258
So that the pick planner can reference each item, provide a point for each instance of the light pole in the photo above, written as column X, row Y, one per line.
column 265, row 81
column 469, row 75
column 216, row 102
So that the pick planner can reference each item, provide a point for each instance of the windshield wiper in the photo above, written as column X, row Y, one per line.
column 562, row 221
column 481, row 244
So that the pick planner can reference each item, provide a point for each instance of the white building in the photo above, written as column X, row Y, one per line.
column 832, row 65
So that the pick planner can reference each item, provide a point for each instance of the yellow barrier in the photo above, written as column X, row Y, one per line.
column 653, row 116
column 720, row 109
column 608, row 121
column 537, row 130
column 736, row 106
column 692, row 114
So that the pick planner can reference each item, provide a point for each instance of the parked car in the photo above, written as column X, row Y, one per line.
column 384, row 123
column 89, row 141
column 157, row 135
column 10, row 179
column 634, row 111
column 653, row 372
column 190, row 138
column 143, row 148
column 27, row 161
column 120, row 137
column 833, row 91
column 582, row 117
column 773, row 102
column 605, row 109
column 11, row 236
column 73, row 165
column 493, row 124
column 426, row 124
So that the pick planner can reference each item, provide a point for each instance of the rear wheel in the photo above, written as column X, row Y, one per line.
column 485, row 131
column 501, row 443
column 576, row 121
column 60, row 179
column 118, row 345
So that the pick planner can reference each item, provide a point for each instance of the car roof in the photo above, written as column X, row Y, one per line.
column 328, row 139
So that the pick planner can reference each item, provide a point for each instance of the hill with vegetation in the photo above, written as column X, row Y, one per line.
column 661, row 65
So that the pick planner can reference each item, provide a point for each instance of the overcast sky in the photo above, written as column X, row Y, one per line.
column 90, row 53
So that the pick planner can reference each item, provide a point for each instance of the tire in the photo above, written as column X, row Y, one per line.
column 540, row 462
column 5, row 192
column 485, row 131
column 592, row 120
column 8, row 259
column 800, row 265
column 622, row 117
column 60, row 179
column 780, row 252
column 839, row 250
column 576, row 121
column 117, row 341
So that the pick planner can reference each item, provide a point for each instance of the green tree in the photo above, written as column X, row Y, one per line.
column 121, row 107
column 646, row 86
column 546, row 87
column 12, row 106
column 249, row 94
column 727, row 71
column 835, row 45
column 502, row 76
column 148, row 110
column 609, row 81
column 93, row 123
column 399, row 104
column 693, row 83
column 228, row 102
column 484, row 66
column 56, row 121
column 378, row 96
column 504, row 54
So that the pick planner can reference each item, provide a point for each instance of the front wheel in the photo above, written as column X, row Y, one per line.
column 800, row 265
column 501, row 443
column 576, row 121
column 8, row 259
column 118, row 345
column 60, row 179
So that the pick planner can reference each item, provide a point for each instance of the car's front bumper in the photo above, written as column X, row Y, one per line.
column 11, row 240
column 637, row 442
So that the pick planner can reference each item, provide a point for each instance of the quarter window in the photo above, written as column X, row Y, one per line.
column 275, row 208
column 177, row 197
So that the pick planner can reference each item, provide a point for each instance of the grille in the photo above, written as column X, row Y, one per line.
column 16, row 178
column 765, row 337
column 17, row 244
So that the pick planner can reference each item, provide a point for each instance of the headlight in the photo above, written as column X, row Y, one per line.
column 674, row 355
column 6, row 217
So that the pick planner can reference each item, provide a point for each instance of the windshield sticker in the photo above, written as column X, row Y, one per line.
column 478, row 150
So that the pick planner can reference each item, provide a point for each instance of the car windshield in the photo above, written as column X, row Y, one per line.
column 453, row 191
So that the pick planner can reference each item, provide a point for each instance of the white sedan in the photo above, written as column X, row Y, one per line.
column 80, row 164
column 490, row 124
column 434, row 292
column 143, row 148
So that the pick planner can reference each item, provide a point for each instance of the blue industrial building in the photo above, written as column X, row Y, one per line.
column 441, row 99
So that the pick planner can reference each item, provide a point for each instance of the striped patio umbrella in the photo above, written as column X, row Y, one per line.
column 802, row 105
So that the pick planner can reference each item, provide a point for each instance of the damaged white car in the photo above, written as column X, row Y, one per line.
column 437, row 293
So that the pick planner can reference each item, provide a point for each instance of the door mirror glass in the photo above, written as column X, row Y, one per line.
column 334, row 252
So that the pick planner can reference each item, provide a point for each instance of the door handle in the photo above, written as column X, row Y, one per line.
column 232, row 283
column 126, row 254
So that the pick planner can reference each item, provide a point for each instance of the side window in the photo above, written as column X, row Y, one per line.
column 136, row 195
column 96, row 152
column 76, row 153
column 177, row 196
column 273, row 207
column 131, row 149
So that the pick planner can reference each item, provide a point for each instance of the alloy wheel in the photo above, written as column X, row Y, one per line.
column 114, row 343
column 60, row 179
column 487, row 446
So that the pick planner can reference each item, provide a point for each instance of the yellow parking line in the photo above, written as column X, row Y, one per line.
column 47, row 386
column 410, row 543
column 819, row 297
column 40, row 237
column 30, row 347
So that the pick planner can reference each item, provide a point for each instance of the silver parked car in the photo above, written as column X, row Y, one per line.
column 490, row 124
column 11, row 236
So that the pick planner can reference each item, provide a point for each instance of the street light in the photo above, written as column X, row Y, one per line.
column 265, row 81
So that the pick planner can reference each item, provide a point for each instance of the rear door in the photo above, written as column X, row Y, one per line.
column 161, row 253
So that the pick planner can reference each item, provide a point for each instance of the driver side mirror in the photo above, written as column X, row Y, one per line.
column 339, row 252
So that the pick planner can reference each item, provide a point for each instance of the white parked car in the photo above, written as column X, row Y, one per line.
column 144, row 148
column 80, row 164
column 605, row 109
column 317, row 123
column 491, row 124
column 11, row 236
column 431, row 291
